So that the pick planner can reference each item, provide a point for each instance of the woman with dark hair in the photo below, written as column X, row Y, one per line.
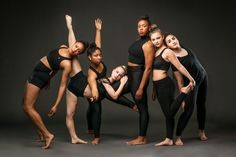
column 45, row 69
column 79, row 87
column 141, row 54
column 163, row 84
column 198, row 95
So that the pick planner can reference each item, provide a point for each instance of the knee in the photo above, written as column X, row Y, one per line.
column 27, row 108
column 70, row 114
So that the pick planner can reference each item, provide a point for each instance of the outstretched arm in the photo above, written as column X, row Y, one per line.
column 71, row 35
column 110, row 90
column 98, row 25
column 170, row 55
column 65, row 75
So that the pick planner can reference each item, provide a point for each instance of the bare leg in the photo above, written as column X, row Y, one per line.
column 71, row 103
column 178, row 141
column 166, row 142
column 30, row 97
column 202, row 135
column 138, row 141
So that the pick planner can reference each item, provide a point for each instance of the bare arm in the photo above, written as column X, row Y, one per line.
column 71, row 35
column 65, row 75
column 148, row 50
column 110, row 90
column 98, row 25
column 171, row 57
column 93, row 84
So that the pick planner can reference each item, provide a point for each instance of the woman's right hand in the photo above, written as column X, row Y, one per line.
column 95, row 95
column 192, row 83
column 52, row 111
column 124, row 79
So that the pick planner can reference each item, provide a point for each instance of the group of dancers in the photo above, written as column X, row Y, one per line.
column 152, row 54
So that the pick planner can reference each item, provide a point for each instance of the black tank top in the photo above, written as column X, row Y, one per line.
column 159, row 62
column 101, row 89
column 101, row 74
column 192, row 64
column 54, row 59
column 136, row 51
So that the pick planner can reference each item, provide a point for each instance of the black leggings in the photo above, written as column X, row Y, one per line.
column 94, row 111
column 197, row 96
column 165, row 90
column 135, row 75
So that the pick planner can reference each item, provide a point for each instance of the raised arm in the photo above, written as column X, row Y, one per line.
column 110, row 90
column 93, row 84
column 149, row 52
column 171, row 57
column 71, row 35
column 98, row 26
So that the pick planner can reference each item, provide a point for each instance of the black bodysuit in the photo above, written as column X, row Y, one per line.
column 197, row 96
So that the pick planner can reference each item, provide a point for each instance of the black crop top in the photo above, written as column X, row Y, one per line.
column 54, row 59
column 136, row 51
column 101, row 74
column 159, row 62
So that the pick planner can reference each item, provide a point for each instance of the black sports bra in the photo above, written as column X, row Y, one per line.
column 54, row 59
column 159, row 62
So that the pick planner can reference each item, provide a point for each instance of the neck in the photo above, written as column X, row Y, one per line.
column 178, row 50
column 94, row 65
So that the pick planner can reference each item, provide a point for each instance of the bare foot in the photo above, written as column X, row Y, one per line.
column 166, row 142
column 179, row 142
column 186, row 89
column 78, row 141
column 135, row 108
column 202, row 135
column 96, row 141
column 138, row 141
column 40, row 135
column 90, row 132
column 48, row 141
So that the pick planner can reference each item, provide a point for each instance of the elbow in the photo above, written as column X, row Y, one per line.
column 114, row 97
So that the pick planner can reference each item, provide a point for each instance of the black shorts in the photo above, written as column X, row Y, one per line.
column 77, row 84
column 40, row 76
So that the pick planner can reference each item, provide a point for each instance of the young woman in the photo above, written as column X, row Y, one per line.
column 45, row 69
column 163, row 84
column 78, row 86
column 198, row 96
column 141, row 54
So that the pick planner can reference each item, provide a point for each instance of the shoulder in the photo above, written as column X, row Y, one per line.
column 168, row 52
column 91, row 73
column 63, row 46
column 148, row 46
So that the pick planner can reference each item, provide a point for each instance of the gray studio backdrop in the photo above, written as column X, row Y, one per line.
column 31, row 29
